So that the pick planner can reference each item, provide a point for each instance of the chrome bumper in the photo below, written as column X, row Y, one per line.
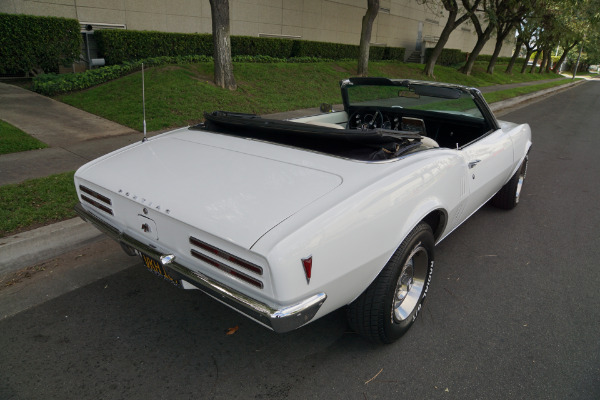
column 280, row 320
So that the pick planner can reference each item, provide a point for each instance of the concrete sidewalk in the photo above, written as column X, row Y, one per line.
column 73, row 136
column 76, row 137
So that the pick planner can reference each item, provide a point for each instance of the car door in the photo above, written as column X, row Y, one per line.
column 489, row 162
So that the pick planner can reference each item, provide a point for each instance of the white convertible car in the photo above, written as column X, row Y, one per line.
column 286, row 221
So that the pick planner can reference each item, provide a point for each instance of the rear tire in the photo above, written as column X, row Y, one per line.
column 391, row 304
column 508, row 197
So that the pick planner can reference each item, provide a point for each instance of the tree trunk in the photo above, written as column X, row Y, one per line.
column 515, row 55
column 451, row 24
column 549, row 63
column 535, row 60
column 481, row 41
column 439, row 46
column 222, row 44
column 497, row 48
column 527, row 57
column 566, row 51
column 365, row 36
column 544, row 59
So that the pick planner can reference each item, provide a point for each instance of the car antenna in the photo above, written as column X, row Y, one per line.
column 144, row 103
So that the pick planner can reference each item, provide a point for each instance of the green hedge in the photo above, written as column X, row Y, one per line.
column 488, row 57
column 28, row 42
column 447, row 56
column 53, row 84
column 117, row 46
column 455, row 56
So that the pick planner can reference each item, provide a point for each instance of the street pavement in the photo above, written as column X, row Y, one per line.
column 76, row 137
column 513, row 311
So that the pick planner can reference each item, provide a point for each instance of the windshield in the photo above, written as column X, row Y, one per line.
column 416, row 97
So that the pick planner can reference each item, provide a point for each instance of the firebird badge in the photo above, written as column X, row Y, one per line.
column 307, row 264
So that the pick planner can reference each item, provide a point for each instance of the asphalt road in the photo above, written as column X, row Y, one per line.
column 513, row 311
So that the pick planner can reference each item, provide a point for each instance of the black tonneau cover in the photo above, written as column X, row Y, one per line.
column 376, row 144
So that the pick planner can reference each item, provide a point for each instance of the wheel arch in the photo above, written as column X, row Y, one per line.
column 437, row 220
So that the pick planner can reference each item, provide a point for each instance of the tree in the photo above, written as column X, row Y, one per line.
column 452, row 22
column 511, row 15
column 531, row 47
column 545, row 56
column 516, row 52
column 224, row 78
column 535, row 60
column 531, row 33
column 567, row 47
column 502, row 31
column 483, row 35
column 365, row 36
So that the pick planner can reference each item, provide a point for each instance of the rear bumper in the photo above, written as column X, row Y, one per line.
column 280, row 320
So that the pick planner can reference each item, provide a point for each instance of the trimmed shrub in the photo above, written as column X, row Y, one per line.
column 336, row 51
column 499, row 60
column 117, row 46
column 447, row 56
column 394, row 53
column 255, row 46
column 53, row 84
column 28, row 42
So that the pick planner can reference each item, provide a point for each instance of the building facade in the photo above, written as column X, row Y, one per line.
column 400, row 23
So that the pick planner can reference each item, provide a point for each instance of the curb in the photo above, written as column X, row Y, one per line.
column 28, row 248
column 503, row 105
column 32, row 247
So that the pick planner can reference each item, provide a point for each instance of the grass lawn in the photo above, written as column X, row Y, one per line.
column 36, row 202
column 13, row 140
column 178, row 95
column 510, row 93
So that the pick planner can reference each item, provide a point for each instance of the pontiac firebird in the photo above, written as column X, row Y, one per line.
column 286, row 221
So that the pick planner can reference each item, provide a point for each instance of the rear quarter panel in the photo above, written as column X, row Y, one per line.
column 352, row 232
column 520, row 135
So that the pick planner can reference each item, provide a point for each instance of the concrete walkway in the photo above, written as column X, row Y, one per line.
column 74, row 136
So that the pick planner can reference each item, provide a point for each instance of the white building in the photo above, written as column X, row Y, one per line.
column 400, row 23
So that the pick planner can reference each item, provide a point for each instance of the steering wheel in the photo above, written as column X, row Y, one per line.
column 365, row 122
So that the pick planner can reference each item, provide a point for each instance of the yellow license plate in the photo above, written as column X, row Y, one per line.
column 157, row 269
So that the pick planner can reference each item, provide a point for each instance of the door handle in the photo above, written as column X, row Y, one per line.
column 472, row 164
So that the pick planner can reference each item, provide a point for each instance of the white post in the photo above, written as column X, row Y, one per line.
column 144, row 103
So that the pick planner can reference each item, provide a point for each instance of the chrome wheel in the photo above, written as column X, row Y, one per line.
column 410, row 284
column 390, row 305
column 522, row 173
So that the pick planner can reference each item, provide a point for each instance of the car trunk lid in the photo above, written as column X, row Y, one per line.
column 229, row 188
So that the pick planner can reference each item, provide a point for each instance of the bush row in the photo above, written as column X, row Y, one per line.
column 117, row 46
column 488, row 57
column 28, row 42
column 53, row 84
column 454, row 56
column 447, row 56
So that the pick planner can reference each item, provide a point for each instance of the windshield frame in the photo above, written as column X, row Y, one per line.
column 424, row 86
